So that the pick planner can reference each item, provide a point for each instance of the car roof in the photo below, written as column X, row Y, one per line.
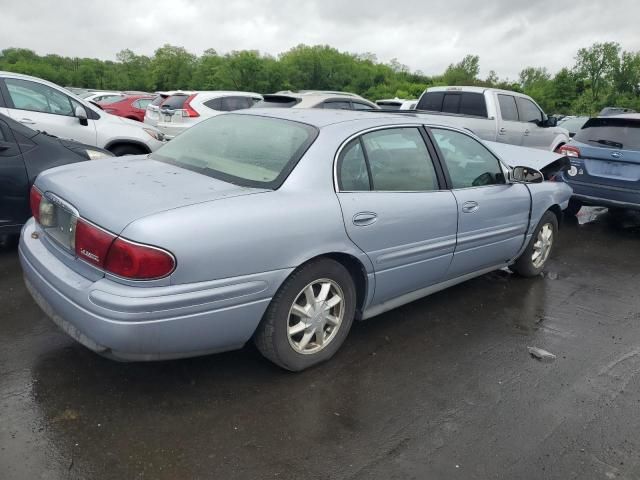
column 628, row 116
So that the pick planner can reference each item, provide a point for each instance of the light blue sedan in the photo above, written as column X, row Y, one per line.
column 281, row 226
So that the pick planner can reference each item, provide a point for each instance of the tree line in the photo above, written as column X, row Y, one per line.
column 602, row 74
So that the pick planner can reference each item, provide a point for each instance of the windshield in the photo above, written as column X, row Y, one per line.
column 277, row 101
column 246, row 150
column 572, row 124
column 611, row 132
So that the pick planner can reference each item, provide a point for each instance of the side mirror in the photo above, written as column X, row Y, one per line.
column 81, row 115
column 551, row 122
column 526, row 175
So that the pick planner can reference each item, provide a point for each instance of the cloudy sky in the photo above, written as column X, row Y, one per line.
column 425, row 35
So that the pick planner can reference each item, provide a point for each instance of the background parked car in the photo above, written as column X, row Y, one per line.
column 100, row 96
column 164, row 260
column 608, row 111
column 605, row 163
column 316, row 99
column 24, row 153
column 495, row 115
column 130, row 106
column 152, row 115
column 397, row 104
column 180, row 111
column 47, row 107
column 572, row 123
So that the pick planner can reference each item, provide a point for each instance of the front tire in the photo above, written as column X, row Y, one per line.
column 309, row 317
column 535, row 256
column 127, row 149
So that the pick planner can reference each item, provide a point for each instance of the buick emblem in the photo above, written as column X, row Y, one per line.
column 616, row 154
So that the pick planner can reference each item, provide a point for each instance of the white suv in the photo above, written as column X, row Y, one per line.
column 181, row 110
column 49, row 108
column 152, row 114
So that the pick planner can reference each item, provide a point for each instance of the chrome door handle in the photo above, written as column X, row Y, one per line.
column 502, row 131
column 27, row 121
column 364, row 218
column 470, row 207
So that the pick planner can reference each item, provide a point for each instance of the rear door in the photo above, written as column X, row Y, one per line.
column 510, row 129
column 46, row 109
column 609, row 154
column 14, row 182
column 493, row 216
column 395, row 209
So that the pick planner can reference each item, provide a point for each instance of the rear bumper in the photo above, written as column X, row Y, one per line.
column 146, row 323
column 170, row 130
column 602, row 195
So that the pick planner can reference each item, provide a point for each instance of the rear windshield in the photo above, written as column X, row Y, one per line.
column 175, row 102
column 465, row 103
column 246, row 150
column 277, row 101
column 611, row 132
column 389, row 105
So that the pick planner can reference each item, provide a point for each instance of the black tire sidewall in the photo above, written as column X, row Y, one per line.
column 277, row 315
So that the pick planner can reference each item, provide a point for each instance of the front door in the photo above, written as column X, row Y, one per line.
column 395, row 210
column 493, row 216
column 14, row 183
column 535, row 135
column 47, row 109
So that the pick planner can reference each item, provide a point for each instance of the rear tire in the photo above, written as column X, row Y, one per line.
column 573, row 208
column 535, row 256
column 309, row 317
column 127, row 149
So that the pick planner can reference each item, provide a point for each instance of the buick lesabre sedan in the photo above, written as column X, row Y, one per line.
column 281, row 226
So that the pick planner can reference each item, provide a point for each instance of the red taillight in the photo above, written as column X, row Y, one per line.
column 92, row 243
column 570, row 151
column 35, row 197
column 138, row 262
column 187, row 109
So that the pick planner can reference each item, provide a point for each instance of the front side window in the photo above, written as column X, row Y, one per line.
column 508, row 108
column 470, row 164
column 142, row 103
column 35, row 97
column 245, row 150
column 399, row 161
column 528, row 110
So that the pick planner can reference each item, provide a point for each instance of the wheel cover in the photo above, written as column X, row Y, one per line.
column 315, row 316
column 542, row 246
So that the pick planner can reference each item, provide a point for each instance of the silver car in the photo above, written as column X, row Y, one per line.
column 281, row 226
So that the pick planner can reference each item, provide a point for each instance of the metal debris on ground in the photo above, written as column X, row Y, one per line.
column 540, row 354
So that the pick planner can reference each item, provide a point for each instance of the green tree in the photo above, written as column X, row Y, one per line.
column 596, row 64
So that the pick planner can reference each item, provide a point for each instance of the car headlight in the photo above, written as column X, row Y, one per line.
column 154, row 134
column 96, row 154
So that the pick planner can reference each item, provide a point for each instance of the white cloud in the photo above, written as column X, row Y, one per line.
column 508, row 35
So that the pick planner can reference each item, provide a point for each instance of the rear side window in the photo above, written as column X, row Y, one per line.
column 611, row 132
column 393, row 160
column 175, row 102
column 528, row 111
column 361, row 106
column 158, row 100
column 508, row 108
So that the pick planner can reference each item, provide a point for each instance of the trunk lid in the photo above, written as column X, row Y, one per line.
column 113, row 193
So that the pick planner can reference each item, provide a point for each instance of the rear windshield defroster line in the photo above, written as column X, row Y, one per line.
column 246, row 150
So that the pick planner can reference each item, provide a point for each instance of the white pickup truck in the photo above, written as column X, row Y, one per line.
column 494, row 115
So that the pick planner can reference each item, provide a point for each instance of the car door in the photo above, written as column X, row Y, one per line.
column 510, row 129
column 535, row 135
column 395, row 209
column 47, row 109
column 14, row 183
column 493, row 216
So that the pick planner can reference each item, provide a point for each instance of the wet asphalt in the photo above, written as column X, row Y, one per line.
column 441, row 388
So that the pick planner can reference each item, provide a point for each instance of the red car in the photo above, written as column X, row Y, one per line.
column 128, row 106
